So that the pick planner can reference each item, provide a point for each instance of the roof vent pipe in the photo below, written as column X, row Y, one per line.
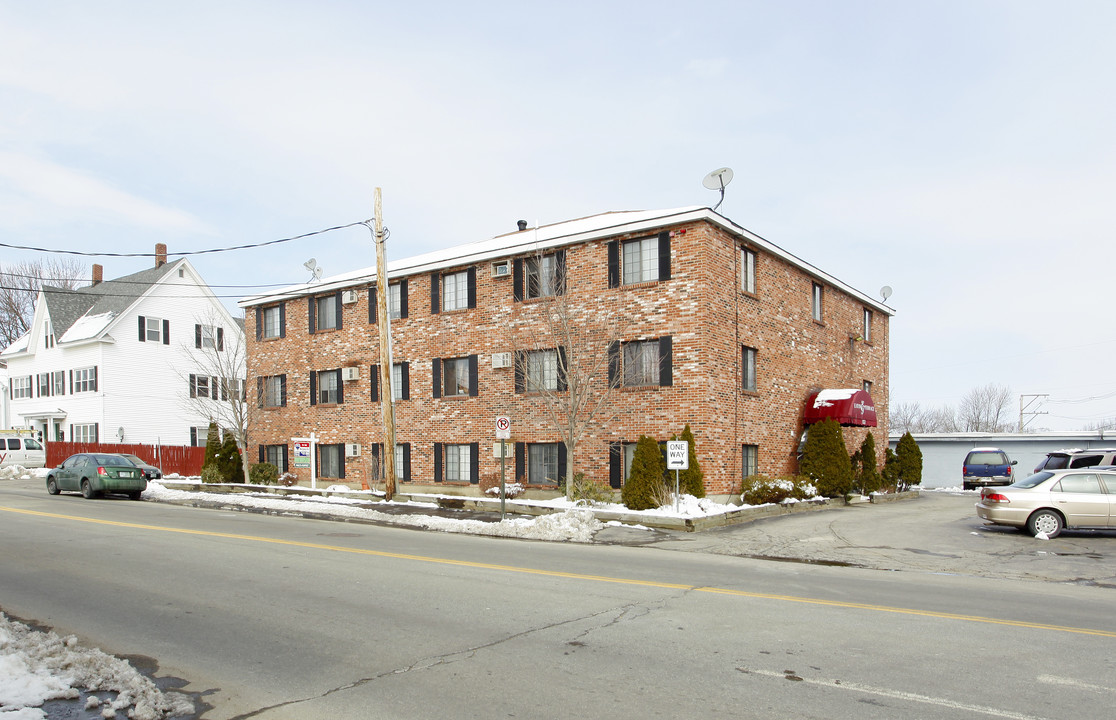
column 522, row 225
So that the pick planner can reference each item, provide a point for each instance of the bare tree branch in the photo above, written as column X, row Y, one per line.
column 19, row 288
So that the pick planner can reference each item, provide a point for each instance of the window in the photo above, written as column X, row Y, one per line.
column 276, row 455
column 455, row 377
column 542, row 276
column 640, row 261
column 154, row 330
column 44, row 384
column 22, row 387
column 403, row 461
column 1080, row 483
column 397, row 381
column 325, row 312
column 395, row 301
column 458, row 462
column 748, row 369
column 203, row 386
column 209, row 337
column 867, row 334
column 199, row 436
column 271, row 322
column 542, row 464
column 866, row 386
column 816, row 303
column 455, row 291
column 749, row 459
column 331, row 461
column 325, row 387
column 58, row 378
column 84, row 380
column 747, row 270
column 540, row 370
column 48, row 335
column 271, row 391
column 400, row 381
column 641, row 363
column 86, row 433
column 620, row 455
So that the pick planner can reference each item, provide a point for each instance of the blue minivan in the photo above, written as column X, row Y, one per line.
column 986, row 466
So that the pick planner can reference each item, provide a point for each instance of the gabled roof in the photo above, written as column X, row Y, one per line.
column 544, row 237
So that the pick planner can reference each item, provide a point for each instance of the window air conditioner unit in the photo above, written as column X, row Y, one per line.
column 350, row 373
column 509, row 449
column 501, row 269
column 352, row 449
column 501, row 360
column 348, row 297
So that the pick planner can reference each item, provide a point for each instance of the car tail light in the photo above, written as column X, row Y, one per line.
column 964, row 469
column 1009, row 471
column 102, row 471
column 995, row 498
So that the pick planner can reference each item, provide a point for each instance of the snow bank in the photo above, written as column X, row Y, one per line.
column 16, row 472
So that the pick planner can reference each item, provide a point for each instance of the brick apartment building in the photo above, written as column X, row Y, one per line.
column 690, row 317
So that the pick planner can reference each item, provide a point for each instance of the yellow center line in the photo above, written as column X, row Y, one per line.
column 580, row 576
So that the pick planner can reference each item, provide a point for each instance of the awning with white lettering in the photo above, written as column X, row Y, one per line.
column 847, row 406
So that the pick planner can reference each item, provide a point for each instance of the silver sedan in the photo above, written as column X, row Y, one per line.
column 1052, row 500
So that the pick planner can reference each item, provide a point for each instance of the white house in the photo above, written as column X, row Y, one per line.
column 140, row 359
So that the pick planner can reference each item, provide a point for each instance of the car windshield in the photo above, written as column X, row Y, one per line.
column 1056, row 462
column 135, row 459
column 1032, row 481
column 986, row 458
column 107, row 459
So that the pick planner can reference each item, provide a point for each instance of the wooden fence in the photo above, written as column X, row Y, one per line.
column 171, row 459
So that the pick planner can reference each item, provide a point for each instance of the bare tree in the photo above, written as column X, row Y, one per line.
column 986, row 409
column 19, row 287
column 913, row 417
column 217, row 384
column 562, row 354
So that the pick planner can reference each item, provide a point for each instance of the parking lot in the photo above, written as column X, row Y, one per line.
column 938, row 532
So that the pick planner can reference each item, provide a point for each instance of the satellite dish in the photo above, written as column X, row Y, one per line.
column 120, row 433
column 315, row 271
column 718, row 180
column 885, row 292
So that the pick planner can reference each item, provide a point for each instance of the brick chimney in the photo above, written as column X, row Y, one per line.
column 160, row 254
column 98, row 274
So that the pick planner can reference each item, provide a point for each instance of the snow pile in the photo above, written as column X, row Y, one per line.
column 39, row 666
column 573, row 525
column 15, row 472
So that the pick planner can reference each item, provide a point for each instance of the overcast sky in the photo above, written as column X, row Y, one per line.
column 960, row 152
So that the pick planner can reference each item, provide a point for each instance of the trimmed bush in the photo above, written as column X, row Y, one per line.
column 590, row 491
column 228, row 461
column 909, row 461
column 212, row 450
column 826, row 461
column 646, row 477
column 264, row 473
column 210, row 474
column 866, row 478
column 890, row 472
column 760, row 489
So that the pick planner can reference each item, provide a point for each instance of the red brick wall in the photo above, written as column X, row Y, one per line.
column 701, row 307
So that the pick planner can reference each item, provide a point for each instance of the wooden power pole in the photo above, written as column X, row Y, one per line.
column 387, row 396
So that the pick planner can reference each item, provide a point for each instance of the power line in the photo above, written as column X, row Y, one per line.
column 80, row 291
column 183, row 254
column 120, row 282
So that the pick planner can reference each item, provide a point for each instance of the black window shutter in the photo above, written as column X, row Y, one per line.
column 72, row 389
column 142, row 329
column 260, row 393
column 337, row 308
column 166, row 332
column 259, row 328
column 474, row 463
column 341, row 465
column 435, row 303
column 312, row 306
column 614, row 263
column 562, row 382
column 373, row 299
column 517, row 280
column 374, row 451
column 664, row 256
column 340, row 386
column 313, row 387
column 374, row 378
column 520, row 460
column 193, row 386
column 615, row 464
column 560, row 272
column 406, row 461
column 520, row 371
column 283, row 390
column 561, row 462
column 220, row 338
column 472, row 376
column 437, row 462
column 436, row 372
column 94, row 378
column 402, row 299
column 472, row 286
column 262, row 456
column 282, row 320
column 405, row 391
column 193, row 436
column 96, row 432
column 197, row 336
column 614, row 364
column 666, row 361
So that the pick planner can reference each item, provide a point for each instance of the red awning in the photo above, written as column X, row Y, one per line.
column 847, row 406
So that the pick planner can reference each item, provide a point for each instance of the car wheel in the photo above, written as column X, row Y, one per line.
column 52, row 486
column 87, row 490
column 966, row 486
column 135, row 495
column 1047, row 522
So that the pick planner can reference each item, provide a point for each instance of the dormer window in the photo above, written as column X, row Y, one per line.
column 48, row 335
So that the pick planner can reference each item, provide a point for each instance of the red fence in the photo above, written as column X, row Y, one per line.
column 168, row 458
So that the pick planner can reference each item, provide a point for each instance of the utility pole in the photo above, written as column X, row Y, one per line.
column 1025, row 402
column 387, row 394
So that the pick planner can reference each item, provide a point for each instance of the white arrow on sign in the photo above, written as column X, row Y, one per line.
column 678, row 455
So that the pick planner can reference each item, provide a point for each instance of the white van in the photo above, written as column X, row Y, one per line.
column 20, row 448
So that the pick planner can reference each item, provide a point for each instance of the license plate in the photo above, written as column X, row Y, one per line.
column 126, row 473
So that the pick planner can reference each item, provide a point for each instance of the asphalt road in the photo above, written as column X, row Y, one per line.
column 273, row 617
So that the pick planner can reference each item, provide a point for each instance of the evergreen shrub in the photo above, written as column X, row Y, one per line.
column 646, row 477
column 826, row 461
column 264, row 473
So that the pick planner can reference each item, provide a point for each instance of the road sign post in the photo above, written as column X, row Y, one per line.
column 678, row 458
column 503, row 432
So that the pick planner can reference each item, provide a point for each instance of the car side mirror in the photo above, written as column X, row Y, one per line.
column 1014, row 462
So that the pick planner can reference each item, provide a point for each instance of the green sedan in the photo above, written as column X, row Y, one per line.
column 94, row 474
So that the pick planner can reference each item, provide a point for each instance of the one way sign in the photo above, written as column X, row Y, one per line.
column 678, row 455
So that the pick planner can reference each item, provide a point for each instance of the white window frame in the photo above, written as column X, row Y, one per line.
column 276, row 455
column 153, row 329
column 749, row 460
column 22, row 387
column 867, row 325
column 748, row 368
column 58, row 379
column 395, row 301
column 399, row 460
column 460, row 375
column 540, row 371
column 204, row 388
column 397, row 381
column 208, row 334
column 273, row 391
column 640, row 363
column 42, row 380
column 541, row 275
column 325, row 312
column 639, row 260
column 458, row 462
column 817, row 298
column 331, row 460
column 84, row 433
column 85, row 380
column 329, row 391
column 48, row 335
column 270, row 320
column 748, row 271
column 542, row 463
column 455, row 291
